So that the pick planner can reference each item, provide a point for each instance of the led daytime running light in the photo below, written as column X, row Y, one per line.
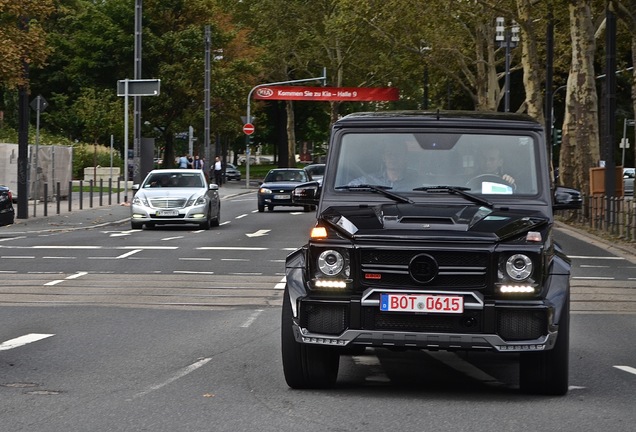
column 526, row 289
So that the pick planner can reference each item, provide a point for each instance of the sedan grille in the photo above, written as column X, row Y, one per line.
column 166, row 203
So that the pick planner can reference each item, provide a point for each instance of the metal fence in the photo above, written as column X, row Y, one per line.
column 613, row 216
column 99, row 194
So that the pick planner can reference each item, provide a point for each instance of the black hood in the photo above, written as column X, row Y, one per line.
column 462, row 223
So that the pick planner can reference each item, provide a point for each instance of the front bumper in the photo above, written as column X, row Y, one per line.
column 187, row 215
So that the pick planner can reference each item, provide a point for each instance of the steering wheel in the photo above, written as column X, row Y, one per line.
column 477, row 180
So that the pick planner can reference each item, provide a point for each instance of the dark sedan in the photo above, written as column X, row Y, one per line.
column 276, row 189
column 232, row 173
column 7, row 214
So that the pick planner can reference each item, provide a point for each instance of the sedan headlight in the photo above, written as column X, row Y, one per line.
column 140, row 200
column 196, row 201
column 264, row 191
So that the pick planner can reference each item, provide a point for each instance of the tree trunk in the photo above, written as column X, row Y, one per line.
column 580, row 139
column 530, row 62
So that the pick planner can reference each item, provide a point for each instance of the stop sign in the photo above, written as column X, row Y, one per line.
column 248, row 128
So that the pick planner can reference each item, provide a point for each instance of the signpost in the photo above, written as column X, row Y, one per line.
column 39, row 104
column 127, row 88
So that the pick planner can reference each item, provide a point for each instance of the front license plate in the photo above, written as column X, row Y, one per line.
column 421, row 303
column 167, row 212
column 282, row 196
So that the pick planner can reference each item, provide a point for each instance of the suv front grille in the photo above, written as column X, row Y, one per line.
column 456, row 269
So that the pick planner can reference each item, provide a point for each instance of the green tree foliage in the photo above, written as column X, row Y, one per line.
column 22, row 38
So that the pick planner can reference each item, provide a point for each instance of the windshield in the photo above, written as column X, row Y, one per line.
column 286, row 175
column 179, row 180
column 487, row 164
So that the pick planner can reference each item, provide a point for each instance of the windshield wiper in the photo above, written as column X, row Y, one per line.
column 457, row 190
column 383, row 190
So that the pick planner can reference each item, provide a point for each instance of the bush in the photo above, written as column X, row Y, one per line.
column 84, row 156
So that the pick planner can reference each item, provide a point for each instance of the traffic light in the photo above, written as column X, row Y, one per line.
column 556, row 139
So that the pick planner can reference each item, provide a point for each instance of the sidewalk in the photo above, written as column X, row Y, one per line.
column 88, row 217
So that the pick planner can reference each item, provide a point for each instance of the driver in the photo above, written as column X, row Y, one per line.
column 494, row 166
column 393, row 171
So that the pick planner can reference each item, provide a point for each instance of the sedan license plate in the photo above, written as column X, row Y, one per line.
column 282, row 196
column 167, row 212
column 421, row 303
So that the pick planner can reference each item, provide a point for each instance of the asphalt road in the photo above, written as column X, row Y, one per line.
column 177, row 329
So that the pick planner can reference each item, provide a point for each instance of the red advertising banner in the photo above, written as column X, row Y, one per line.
column 327, row 93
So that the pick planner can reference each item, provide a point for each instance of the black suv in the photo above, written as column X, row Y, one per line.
column 434, row 231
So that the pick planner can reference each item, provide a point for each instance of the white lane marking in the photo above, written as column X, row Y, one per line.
column 73, row 276
column 148, row 247
column 454, row 361
column 195, row 259
column 593, row 266
column 258, row 233
column 596, row 257
column 12, row 238
column 290, row 249
column 629, row 369
column 174, row 238
column 224, row 223
column 593, row 278
column 192, row 272
column 232, row 248
column 23, row 340
column 16, row 257
column 241, row 216
column 8, row 271
column 60, row 257
column 180, row 374
column 234, row 259
column 66, row 247
column 252, row 318
column 127, row 254
column 281, row 285
column 277, row 260
column 76, row 275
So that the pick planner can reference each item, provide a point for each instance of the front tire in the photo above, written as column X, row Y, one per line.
column 547, row 372
column 136, row 225
column 305, row 366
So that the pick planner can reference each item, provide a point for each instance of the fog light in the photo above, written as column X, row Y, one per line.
column 526, row 289
column 330, row 283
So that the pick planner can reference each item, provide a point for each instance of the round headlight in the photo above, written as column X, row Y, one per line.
column 330, row 262
column 519, row 267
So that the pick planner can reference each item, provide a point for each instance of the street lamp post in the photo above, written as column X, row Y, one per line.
column 248, row 118
column 507, row 38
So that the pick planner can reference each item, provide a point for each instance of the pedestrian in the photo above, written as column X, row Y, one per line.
column 190, row 162
column 218, row 171
column 198, row 163
column 183, row 162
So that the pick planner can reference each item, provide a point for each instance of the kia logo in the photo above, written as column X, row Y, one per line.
column 265, row 92
column 423, row 268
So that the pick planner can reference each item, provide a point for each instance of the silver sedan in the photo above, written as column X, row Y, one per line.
column 175, row 196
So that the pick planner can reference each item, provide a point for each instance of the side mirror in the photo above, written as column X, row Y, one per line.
column 567, row 199
column 135, row 187
column 306, row 193
column 213, row 187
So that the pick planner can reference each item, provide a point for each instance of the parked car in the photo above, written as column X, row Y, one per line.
column 232, row 172
column 175, row 196
column 316, row 171
column 7, row 213
column 277, row 187
column 628, row 181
